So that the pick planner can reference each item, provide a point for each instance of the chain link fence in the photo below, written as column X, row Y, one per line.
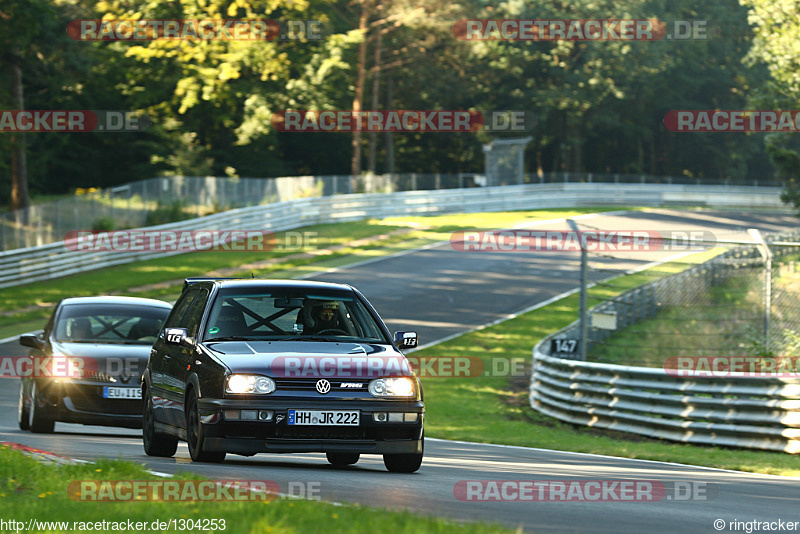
column 742, row 302
column 163, row 200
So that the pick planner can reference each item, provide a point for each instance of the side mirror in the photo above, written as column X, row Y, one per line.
column 31, row 340
column 177, row 336
column 405, row 340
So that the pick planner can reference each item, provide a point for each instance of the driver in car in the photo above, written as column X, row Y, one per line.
column 325, row 317
column 81, row 329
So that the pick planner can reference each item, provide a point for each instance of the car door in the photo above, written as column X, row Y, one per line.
column 181, row 357
column 167, row 400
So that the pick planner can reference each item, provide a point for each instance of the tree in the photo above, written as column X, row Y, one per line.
column 777, row 45
column 23, row 28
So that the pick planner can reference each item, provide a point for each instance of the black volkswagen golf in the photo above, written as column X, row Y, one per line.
column 251, row 366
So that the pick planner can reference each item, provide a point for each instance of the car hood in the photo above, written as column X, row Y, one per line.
column 110, row 359
column 310, row 359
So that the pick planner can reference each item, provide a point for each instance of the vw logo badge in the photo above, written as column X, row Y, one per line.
column 323, row 386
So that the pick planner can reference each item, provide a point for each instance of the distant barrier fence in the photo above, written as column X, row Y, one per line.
column 54, row 260
column 161, row 200
column 145, row 202
column 681, row 289
column 760, row 412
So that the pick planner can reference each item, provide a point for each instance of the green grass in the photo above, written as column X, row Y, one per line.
column 32, row 489
column 20, row 326
column 24, row 304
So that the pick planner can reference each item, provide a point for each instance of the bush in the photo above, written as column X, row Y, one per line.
column 166, row 213
column 103, row 224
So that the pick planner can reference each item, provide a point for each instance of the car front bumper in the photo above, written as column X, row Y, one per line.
column 277, row 436
column 83, row 403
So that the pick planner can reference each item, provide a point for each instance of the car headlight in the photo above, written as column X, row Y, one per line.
column 249, row 384
column 392, row 387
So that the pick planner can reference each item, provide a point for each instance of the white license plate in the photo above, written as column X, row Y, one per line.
column 324, row 417
column 121, row 393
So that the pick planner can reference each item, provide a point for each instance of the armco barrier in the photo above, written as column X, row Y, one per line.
column 54, row 260
column 746, row 411
column 735, row 410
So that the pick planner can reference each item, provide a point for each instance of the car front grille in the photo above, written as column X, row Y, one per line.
column 90, row 399
column 310, row 384
column 102, row 377
column 99, row 376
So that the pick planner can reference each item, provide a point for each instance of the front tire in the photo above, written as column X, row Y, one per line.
column 23, row 411
column 155, row 443
column 38, row 421
column 194, row 435
column 342, row 459
column 404, row 463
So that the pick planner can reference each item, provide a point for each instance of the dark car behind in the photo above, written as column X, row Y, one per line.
column 86, row 365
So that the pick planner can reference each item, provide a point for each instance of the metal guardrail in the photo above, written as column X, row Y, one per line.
column 747, row 411
column 759, row 412
column 54, row 260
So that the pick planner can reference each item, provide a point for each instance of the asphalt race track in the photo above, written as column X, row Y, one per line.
column 440, row 292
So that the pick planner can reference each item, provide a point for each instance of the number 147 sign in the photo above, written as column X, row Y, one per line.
column 563, row 346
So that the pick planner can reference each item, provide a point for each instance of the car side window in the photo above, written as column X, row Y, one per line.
column 195, row 314
column 175, row 318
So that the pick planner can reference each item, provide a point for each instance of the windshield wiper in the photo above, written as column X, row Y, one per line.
column 228, row 338
column 103, row 341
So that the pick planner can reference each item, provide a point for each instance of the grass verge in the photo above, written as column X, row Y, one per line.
column 32, row 489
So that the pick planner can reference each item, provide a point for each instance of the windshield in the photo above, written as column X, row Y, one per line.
column 292, row 315
column 110, row 323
